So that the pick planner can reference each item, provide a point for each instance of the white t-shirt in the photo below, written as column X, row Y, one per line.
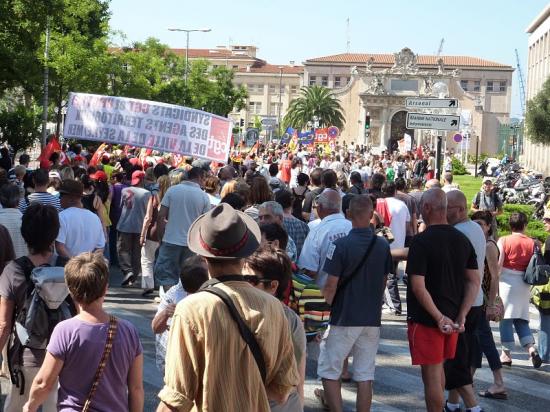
column 318, row 242
column 400, row 218
column 80, row 231
column 185, row 202
column 475, row 235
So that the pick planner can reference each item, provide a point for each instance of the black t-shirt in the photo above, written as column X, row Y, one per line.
column 441, row 254
column 310, row 197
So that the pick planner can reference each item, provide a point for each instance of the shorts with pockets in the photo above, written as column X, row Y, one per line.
column 430, row 346
column 341, row 341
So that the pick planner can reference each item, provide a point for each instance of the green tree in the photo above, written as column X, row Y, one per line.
column 20, row 127
column 314, row 101
column 537, row 117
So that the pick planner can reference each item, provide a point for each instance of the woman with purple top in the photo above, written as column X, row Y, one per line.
column 77, row 348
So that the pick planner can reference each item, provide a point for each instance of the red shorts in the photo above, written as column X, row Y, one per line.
column 429, row 346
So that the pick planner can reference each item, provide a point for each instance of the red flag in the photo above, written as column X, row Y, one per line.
column 52, row 146
column 98, row 154
column 419, row 154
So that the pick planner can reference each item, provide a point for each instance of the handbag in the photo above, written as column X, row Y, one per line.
column 104, row 358
column 537, row 272
column 498, row 308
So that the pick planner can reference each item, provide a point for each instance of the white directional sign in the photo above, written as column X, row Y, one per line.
column 430, row 103
column 433, row 121
column 269, row 121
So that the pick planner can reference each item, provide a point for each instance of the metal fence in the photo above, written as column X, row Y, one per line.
column 510, row 139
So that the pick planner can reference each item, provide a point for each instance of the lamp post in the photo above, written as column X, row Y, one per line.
column 187, row 31
column 279, row 106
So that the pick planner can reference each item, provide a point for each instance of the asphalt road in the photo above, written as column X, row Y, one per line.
column 398, row 386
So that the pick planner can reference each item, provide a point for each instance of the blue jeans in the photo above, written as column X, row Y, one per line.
column 168, row 264
column 544, row 337
column 486, row 345
column 522, row 330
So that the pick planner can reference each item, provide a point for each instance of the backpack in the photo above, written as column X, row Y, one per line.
column 297, row 204
column 308, row 302
column 47, row 302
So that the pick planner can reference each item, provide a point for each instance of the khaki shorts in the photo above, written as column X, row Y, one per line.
column 339, row 342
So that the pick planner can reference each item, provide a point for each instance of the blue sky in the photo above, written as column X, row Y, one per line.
column 296, row 30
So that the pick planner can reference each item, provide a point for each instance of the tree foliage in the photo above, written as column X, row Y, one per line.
column 538, row 116
column 315, row 101
column 20, row 127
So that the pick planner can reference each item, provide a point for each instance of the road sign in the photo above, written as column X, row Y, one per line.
column 430, row 103
column 269, row 121
column 433, row 121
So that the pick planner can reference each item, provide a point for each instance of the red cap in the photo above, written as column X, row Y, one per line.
column 100, row 176
column 134, row 161
column 137, row 177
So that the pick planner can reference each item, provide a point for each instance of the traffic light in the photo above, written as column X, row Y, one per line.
column 367, row 121
column 242, row 122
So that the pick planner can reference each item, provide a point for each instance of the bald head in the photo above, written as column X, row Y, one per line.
column 456, row 207
column 433, row 183
column 434, row 206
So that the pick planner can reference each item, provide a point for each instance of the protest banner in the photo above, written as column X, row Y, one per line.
column 153, row 125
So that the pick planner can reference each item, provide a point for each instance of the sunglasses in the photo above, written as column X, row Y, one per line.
column 255, row 280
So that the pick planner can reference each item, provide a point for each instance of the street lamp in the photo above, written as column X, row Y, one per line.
column 279, row 106
column 187, row 31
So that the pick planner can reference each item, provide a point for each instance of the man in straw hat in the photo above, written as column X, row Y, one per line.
column 230, row 347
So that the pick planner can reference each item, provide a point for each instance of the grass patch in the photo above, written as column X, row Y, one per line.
column 469, row 185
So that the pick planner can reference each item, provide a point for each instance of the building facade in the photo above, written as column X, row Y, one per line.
column 535, row 156
column 376, row 85
column 270, row 87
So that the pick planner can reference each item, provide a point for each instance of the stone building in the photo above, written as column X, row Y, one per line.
column 535, row 156
column 270, row 87
column 378, row 84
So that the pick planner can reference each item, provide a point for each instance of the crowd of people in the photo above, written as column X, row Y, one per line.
column 222, row 244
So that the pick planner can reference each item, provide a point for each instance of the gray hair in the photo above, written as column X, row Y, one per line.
column 275, row 207
column 330, row 200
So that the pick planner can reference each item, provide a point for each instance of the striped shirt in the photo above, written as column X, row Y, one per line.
column 208, row 364
column 11, row 219
column 43, row 198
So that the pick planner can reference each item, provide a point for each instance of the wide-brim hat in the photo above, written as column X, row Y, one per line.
column 224, row 233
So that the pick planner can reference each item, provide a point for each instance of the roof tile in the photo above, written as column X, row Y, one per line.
column 423, row 60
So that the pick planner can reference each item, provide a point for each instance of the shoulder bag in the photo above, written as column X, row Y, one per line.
column 537, row 272
column 345, row 281
column 104, row 358
column 244, row 330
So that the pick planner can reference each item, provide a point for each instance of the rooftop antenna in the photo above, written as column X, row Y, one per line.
column 440, row 50
column 348, row 41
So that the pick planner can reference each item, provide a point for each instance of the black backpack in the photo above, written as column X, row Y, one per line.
column 297, row 204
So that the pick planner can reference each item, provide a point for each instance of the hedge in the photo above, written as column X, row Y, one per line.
column 535, row 228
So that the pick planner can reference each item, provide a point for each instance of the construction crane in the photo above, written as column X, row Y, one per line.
column 440, row 50
column 521, row 85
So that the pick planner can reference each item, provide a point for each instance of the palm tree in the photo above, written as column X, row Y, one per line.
column 314, row 101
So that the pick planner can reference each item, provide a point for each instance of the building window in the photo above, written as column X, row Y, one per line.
column 235, row 67
column 337, row 81
column 324, row 81
column 272, row 88
column 477, row 85
column 293, row 89
column 273, row 109
column 496, row 86
column 255, row 88
column 464, row 85
column 255, row 107
column 312, row 80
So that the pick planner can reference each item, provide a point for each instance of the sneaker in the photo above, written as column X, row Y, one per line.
column 128, row 279
column 535, row 359
column 447, row 409
column 147, row 292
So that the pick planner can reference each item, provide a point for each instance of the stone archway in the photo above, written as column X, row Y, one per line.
column 398, row 129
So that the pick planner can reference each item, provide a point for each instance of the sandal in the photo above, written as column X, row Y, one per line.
column 493, row 395
column 535, row 359
column 320, row 395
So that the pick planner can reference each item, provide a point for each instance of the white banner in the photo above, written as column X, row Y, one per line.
column 143, row 123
